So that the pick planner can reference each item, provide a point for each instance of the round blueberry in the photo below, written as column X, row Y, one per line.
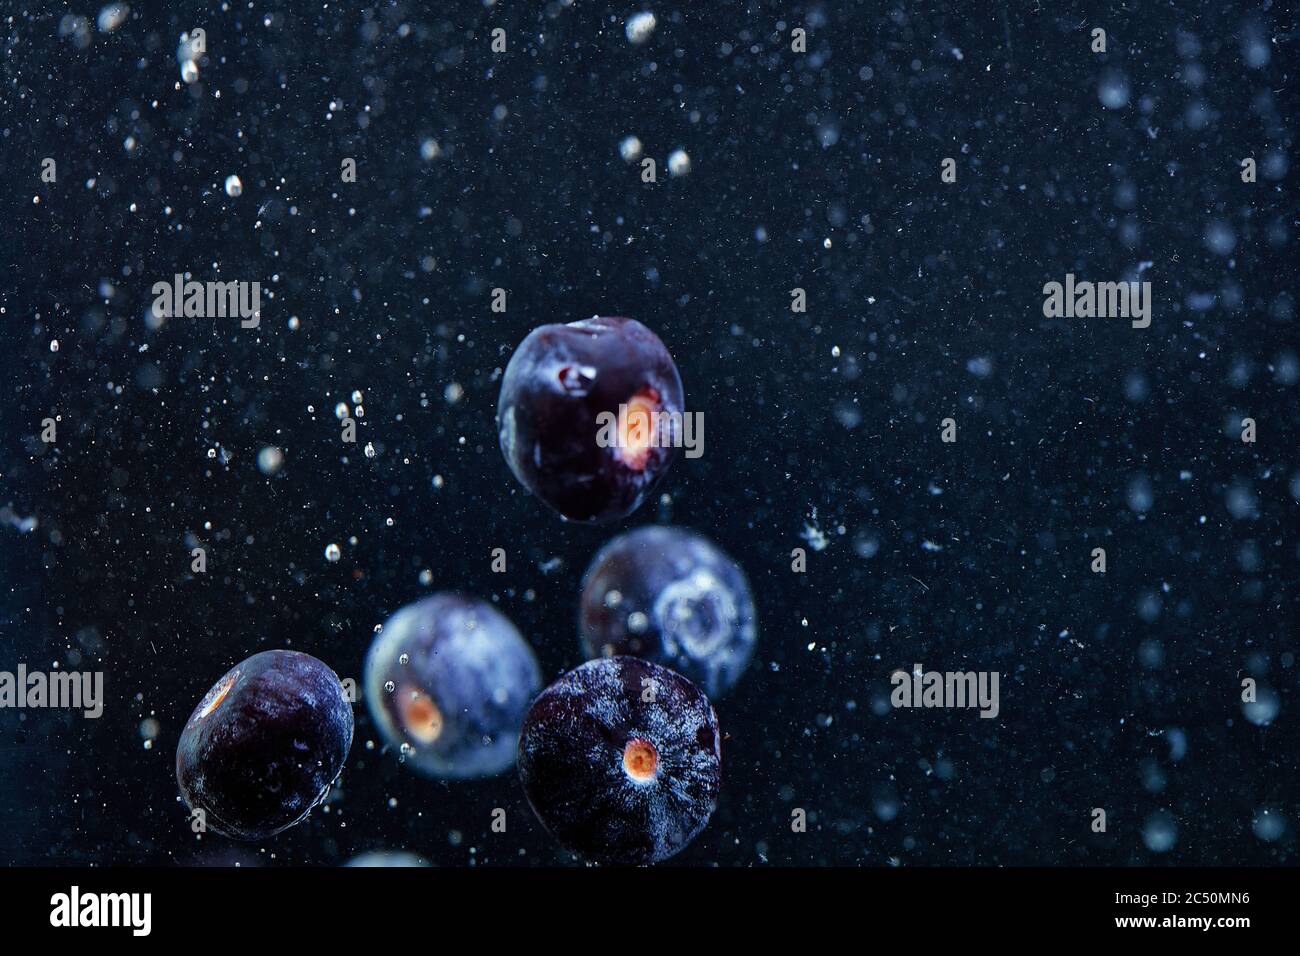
column 620, row 759
column 264, row 744
column 586, row 415
column 448, row 680
column 671, row 596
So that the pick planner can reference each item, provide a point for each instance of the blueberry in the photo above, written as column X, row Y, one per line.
column 562, row 388
column 620, row 759
column 448, row 680
column 264, row 744
column 386, row 859
column 671, row 596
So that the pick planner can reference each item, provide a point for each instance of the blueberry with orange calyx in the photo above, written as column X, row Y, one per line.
column 264, row 744
column 448, row 680
column 590, row 416
column 621, row 760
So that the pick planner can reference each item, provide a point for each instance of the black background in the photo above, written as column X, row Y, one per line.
column 843, row 142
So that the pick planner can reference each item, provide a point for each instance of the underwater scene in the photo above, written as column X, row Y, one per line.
column 579, row 434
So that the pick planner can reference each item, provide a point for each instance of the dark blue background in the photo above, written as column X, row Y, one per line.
column 843, row 142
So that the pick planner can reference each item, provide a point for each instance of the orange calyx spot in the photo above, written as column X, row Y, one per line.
column 219, row 696
column 640, row 760
column 421, row 717
column 636, row 428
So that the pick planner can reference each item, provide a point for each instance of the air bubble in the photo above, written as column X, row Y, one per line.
column 640, row 26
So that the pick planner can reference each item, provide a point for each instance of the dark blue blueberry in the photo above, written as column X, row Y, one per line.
column 560, row 390
column 671, row 596
column 448, row 680
column 620, row 759
column 264, row 744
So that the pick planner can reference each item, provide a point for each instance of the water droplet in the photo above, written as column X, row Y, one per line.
column 111, row 16
column 1113, row 91
column 269, row 460
column 1160, row 832
column 640, row 26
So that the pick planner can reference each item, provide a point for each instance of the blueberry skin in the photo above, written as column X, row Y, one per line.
column 386, row 859
column 560, row 379
column 671, row 596
column 264, row 744
column 571, row 760
column 460, row 697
